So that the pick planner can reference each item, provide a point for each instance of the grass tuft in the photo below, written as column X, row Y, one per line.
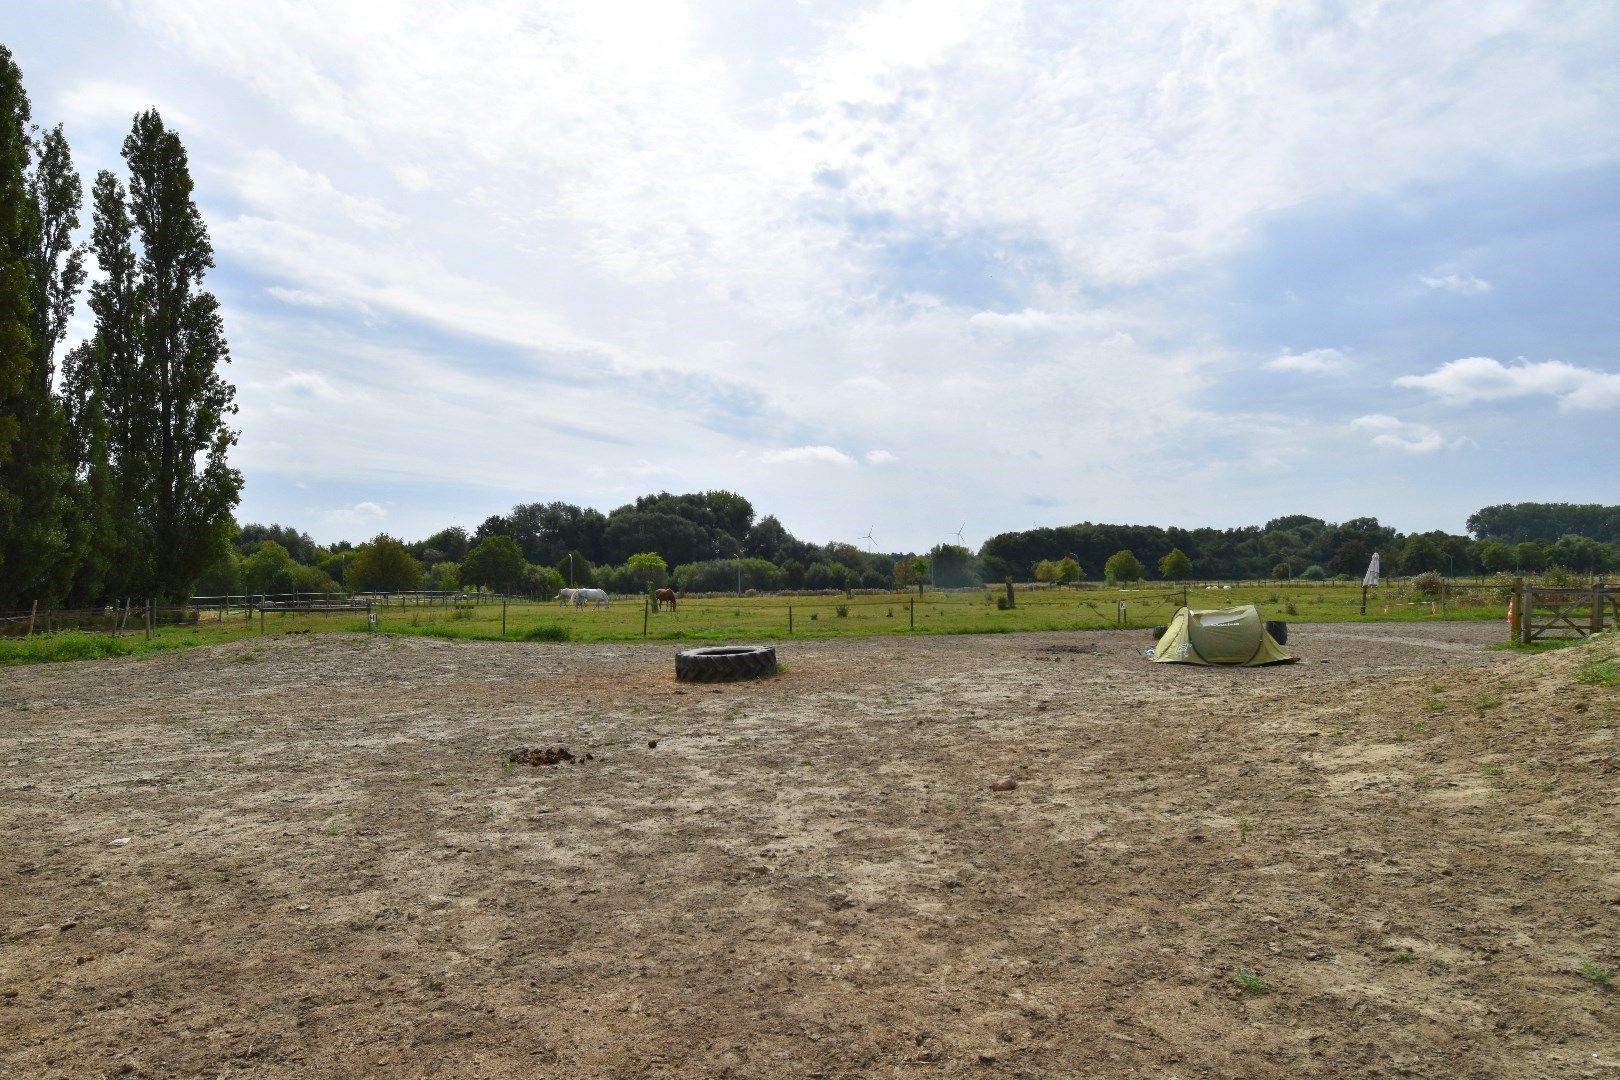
column 71, row 645
column 1250, row 983
column 1592, row 973
column 1599, row 671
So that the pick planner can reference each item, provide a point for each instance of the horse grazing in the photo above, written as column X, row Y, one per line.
column 662, row 597
column 566, row 596
column 583, row 597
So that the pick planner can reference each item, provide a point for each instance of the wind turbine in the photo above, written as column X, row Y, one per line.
column 867, row 536
column 959, row 541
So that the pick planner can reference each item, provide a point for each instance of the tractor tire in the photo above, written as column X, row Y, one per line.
column 725, row 663
column 1159, row 632
column 1278, row 631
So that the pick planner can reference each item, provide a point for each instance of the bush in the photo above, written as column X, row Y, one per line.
column 1123, row 565
column 1428, row 584
column 496, row 564
column 383, row 566
column 1313, row 572
column 545, row 633
column 720, row 576
column 1175, row 566
column 541, row 582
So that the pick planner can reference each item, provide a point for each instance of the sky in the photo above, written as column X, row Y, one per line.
column 904, row 268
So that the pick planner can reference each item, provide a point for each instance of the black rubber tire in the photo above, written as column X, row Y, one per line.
column 1278, row 631
column 1159, row 632
column 725, row 663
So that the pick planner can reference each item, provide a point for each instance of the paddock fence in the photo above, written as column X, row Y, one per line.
column 1541, row 613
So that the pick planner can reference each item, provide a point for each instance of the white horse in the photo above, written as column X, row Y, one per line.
column 568, row 596
column 591, row 596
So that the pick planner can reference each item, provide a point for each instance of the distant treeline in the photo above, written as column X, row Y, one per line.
column 711, row 542
column 1528, row 537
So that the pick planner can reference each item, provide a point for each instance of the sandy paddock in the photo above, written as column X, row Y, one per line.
column 328, row 871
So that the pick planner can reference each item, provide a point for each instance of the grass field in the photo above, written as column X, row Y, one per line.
column 768, row 617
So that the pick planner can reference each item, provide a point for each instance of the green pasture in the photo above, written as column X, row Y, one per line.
column 766, row 618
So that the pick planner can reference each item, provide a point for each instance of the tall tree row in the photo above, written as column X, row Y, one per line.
column 113, row 477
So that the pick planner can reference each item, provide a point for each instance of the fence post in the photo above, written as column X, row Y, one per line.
column 261, row 619
column 646, row 608
column 33, row 611
column 149, row 603
column 503, row 618
column 1516, row 630
column 1597, row 612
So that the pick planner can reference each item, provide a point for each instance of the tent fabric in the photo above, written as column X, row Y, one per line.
column 1229, row 636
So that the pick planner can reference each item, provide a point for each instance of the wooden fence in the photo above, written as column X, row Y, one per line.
column 1541, row 613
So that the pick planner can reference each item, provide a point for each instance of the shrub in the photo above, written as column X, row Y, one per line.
column 496, row 563
column 1313, row 572
column 383, row 566
column 1122, row 565
column 1175, row 566
column 1429, row 583
column 720, row 576
column 546, row 633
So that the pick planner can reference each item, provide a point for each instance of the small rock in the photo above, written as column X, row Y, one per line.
column 652, row 744
column 1006, row 783
column 120, row 842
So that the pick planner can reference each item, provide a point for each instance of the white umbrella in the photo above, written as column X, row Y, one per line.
column 1372, row 572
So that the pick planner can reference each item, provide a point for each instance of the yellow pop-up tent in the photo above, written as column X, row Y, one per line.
column 1228, row 636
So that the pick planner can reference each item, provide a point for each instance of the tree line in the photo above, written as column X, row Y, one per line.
column 711, row 542
column 1522, row 537
column 114, row 479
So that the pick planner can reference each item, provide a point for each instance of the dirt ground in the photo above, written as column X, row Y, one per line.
column 305, row 857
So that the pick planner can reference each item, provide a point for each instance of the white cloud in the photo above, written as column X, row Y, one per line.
column 881, row 457
column 275, row 186
column 307, row 384
column 319, row 301
column 825, row 455
column 97, row 102
column 1463, row 284
column 361, row 513
column 1016, row 321
column 1481, row 378
column 1312, row 362
column 875, row 224
column 1388, row 433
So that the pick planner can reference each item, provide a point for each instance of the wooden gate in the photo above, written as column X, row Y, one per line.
column 1542, row 613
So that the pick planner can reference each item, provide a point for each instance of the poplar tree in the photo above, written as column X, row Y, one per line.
column 17, row 230
column 182, row 434
column 107, row 399
column 37, row 553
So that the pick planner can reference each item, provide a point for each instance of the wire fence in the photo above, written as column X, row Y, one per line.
column 828, row 613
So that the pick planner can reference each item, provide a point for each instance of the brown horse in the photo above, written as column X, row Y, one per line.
column 662, row 597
